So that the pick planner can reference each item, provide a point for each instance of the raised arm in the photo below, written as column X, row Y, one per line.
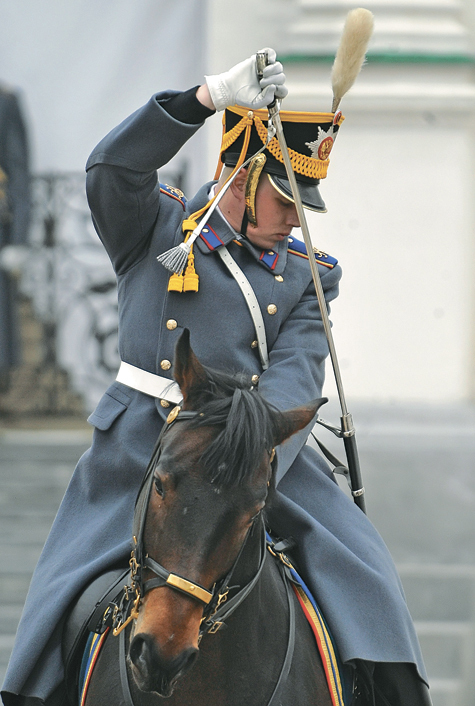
column 122, row 182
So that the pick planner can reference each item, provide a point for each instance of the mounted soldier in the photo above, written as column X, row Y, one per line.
column 245, row 251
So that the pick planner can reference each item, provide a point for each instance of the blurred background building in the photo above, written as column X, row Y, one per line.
column 400, row 220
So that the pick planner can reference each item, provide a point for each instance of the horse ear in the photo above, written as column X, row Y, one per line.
column 188, row 371
column 293, row 420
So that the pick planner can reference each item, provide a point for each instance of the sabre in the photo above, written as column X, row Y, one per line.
column 350, row 55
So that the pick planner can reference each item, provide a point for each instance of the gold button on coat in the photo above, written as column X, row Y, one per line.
column 279, row 278
column 272, row 309
column 164, row 403
column 165, row 365
column 171, row 324
column 255, row 379
column 254, row 344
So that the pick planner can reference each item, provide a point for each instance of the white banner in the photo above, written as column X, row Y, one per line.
column 83, row 66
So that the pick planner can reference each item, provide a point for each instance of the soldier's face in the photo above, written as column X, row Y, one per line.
column 276, row 216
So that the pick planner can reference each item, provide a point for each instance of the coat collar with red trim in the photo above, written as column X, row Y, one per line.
column 218, row 232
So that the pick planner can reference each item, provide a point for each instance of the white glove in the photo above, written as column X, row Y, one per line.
column 240, row 85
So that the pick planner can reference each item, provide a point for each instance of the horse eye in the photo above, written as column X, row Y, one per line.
column 158, row 486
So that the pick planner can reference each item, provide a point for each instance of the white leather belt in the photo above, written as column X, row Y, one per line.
column 251, row 301
column 149, row 384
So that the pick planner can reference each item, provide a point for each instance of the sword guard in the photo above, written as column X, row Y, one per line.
column 331, row 427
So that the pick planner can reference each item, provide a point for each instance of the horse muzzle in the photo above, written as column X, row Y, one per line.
column 154, row 673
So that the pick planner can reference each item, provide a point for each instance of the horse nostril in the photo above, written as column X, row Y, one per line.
column 139, row 655
column 184, row 663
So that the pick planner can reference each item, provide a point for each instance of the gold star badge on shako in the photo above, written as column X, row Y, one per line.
column 323, row 145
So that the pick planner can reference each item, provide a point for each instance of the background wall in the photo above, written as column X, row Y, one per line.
column 84, row 66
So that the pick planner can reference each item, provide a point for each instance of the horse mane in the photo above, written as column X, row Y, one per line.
column 248, row 424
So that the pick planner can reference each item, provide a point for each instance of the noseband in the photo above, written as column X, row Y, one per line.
column 214, row 612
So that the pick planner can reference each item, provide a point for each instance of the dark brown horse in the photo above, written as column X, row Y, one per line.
column 219, row 625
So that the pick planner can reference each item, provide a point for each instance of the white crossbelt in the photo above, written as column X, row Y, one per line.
column 148, row 383
column 164, row 389
column 251, row 301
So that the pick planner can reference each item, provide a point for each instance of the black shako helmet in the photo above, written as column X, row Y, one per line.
column 309, row 137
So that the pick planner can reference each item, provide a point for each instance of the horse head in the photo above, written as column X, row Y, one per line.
column 208, row 484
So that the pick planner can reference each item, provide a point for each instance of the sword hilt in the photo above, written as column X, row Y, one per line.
column 262, row 60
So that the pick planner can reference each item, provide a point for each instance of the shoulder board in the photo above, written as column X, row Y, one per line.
column 174, row 193
column 297, row 247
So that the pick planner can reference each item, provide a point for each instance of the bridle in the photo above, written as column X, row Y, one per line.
column 214, row 611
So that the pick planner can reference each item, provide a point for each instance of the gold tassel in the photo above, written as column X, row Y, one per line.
column 191, row 279
column 175, row 283
column 189, row 224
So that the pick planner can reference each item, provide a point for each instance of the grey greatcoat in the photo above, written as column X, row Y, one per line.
column 341, row 555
